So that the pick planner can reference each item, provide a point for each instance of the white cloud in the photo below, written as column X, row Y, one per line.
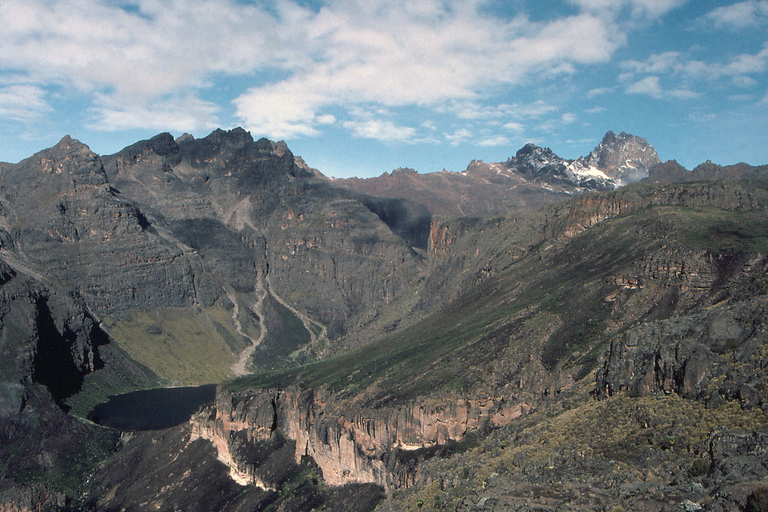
column 299, row 63
column 514, row 127
column 326, row 119
column 677, row 63
column 645, row 77
column 458, row 136
column 93, row 44
column 498, row 140
column 639, row 8
column 367, row 126
column 702, row 117
column 746, row 64
column 599, row 91
column 740, row 15
column 744, row 81
column 177, row 114
column 475, row 111
column 381, row 53
column 651, row 86
column 25, row 103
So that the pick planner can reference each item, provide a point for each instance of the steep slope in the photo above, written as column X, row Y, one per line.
column 464, row 358
column 527, row 339
column 298, row 232
column 207, row 257
column 49, row 346
column 624, row 158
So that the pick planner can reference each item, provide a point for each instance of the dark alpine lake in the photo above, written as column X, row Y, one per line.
column 152, row 409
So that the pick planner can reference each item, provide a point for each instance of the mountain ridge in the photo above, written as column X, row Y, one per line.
column 409, row 358
column 535, row 176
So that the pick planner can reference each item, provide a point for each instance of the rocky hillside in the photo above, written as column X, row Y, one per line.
column 373, row 356
column 227, row 250
column 645, row 292
column 636, row 316
column 534, row 177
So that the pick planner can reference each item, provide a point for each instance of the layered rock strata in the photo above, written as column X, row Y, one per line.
column 363, row 446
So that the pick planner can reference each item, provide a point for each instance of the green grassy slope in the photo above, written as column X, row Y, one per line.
column 556, row 307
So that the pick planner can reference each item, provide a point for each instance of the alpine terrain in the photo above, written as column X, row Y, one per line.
column 535, row 334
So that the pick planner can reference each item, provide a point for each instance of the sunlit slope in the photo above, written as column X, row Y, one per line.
column 540, row 322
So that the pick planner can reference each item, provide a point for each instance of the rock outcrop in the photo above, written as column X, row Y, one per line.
column 349, row 446
column 49, row 343
column 713, row 357
column 64, row 221
column 297, row 230
column 624, row 158
column 210, row 225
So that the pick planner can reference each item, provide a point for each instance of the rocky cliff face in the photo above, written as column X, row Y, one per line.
column 348, row 445
column 299, row 231
column 49, row 343
column 63, row 219
column 47, row 337
column 464, row 252
column 223, row 225
column 652, row 298
column 713, row 356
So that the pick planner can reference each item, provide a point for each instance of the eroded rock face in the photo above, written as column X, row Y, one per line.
column 712, row 356
column 359, row 446
column 63, row 219
column 46, row 337
column 49, row 342
column 673, row 172
column 329, row 253
column 191, row 224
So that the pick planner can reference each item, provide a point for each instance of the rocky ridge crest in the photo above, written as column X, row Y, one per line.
column 534, row 177
column 641, row 295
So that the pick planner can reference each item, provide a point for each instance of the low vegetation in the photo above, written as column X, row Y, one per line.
column 180, row 345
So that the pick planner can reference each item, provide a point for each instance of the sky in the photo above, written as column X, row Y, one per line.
column 362, row 87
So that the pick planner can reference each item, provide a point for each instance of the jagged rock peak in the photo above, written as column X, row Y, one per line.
column 532, row 149
column 534, row 161
column 625, row 158
column 71, row 160
column 163, row 144
column 236, row 136
column 667, row 172
column 69, row 145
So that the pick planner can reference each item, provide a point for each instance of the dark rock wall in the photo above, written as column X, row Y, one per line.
column 713, row 356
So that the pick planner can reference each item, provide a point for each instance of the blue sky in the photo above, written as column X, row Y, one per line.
column 360, row 87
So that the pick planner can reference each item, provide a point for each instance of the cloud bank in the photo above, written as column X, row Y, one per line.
column 299, row 68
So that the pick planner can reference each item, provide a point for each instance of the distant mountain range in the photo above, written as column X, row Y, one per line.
column 539, row 333
column 533, row 177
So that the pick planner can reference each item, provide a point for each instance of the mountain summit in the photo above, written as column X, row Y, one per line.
column 485, row 340
column 533, row 177
column 624, row 158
